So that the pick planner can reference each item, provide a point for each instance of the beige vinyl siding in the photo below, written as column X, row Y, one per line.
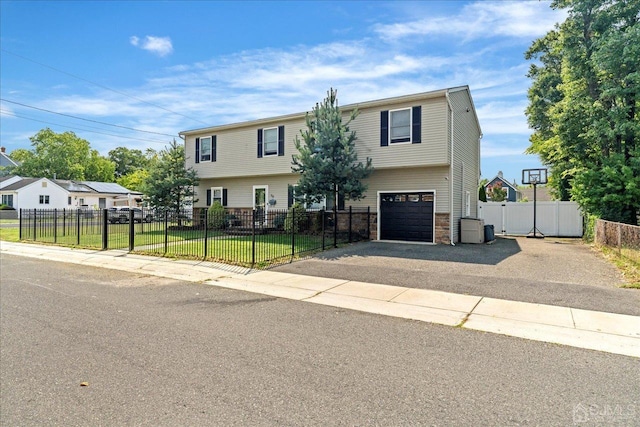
column 426, row 178
column 240, row 190
column 237, row 146
column 465, row 166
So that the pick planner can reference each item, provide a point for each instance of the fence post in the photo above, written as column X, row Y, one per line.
column 105, row 229
column 64, row 222
column 20, row 225
column 166, row 231
column 335, row 229
column 55, row 225
column 350, row 222
column 35, row 214
column 206, row 231
column 293, row 232
column 78, row 227
column 323, row 215
column 253, row 238
column 368, row 222
column 132, row 229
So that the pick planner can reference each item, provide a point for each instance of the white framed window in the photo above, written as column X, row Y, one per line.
column 44, row 199
column 270, row 141
column 216, row 195
column 205, row 149
column 7, row 199
column 301, row 198
column 81, row 201
column 467, row 204
column 400, row 125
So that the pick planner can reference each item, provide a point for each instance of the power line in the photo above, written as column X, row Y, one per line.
column 100, row 85
column 81, row 118
column 77, row 128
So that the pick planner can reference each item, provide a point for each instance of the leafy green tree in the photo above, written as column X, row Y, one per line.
column 170, row 185
column 482, row 192
column 63, row 156
column 128, row 161
column 327, row 160
column 135, row 180
column 497, row 193
column 583, row 104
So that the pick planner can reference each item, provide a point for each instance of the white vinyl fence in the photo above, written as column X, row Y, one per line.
column 561, row 219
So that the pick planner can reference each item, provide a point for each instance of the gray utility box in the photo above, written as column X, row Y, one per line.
column 471, row 230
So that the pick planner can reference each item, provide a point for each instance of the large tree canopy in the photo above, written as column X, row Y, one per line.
column 170, row 185
column 327, row 160
column 63, row 156
column 583, row 106
column 129, row 160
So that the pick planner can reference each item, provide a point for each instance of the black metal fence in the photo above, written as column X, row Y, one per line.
column 249, row 238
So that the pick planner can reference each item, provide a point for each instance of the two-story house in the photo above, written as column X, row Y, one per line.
column 425, row 149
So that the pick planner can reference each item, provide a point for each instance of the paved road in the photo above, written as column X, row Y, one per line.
column 562, row 272
column 161, row 352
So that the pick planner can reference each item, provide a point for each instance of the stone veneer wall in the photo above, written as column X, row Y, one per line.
column 442, row 228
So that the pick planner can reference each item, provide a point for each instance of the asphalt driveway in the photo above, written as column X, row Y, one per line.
column 563, row 272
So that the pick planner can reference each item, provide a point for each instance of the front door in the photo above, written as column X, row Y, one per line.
column 260, row 203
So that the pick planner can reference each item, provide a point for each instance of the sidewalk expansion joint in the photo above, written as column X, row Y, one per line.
column 465, row 319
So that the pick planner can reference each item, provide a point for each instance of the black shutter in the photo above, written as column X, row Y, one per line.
column 259, row 143
column 208, row 197
column 224, row 197
column 340, row 201
column 280, row 140
column 197, row 150
column 384, row 128
column 416, row 124
column 214, row 147
column 289, row 196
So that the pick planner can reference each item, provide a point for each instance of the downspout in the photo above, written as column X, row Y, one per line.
column 450, row 171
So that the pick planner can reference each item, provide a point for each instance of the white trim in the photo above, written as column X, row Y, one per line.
column 410, row 125
column 213, row 192
column 405, row 191
column 201, row 159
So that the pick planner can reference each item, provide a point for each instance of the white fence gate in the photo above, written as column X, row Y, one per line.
column 561, row 219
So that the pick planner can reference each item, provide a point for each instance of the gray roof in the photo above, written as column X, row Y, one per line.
column 5, row 160
column 18, row 185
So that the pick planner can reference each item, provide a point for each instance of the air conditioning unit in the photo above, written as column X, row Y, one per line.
column 471, row 230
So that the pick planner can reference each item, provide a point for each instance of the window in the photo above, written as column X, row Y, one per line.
column 271, row 142
column 467, row 204
column 81, row 201
column 7, row 199
column 44, row 200
column 205, row 149
column 400, row 125
column 217, row 194
column 69, row 200
column 295, row 196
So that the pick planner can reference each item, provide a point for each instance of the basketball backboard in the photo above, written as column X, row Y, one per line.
column 534, row 176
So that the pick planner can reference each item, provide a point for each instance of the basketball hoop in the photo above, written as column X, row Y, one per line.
column 534, row 177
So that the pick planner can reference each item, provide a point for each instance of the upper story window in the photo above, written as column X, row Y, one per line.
column 206, row 149
column 400, row 125
column 271, row 141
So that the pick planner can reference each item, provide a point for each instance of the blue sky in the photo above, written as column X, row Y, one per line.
column 165, row 67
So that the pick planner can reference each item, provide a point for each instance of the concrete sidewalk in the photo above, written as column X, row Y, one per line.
column 608, row 332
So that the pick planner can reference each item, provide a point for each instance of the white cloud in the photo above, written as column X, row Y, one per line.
column 160, row 46
column 482, row 19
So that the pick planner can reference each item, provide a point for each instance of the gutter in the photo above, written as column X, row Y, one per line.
column 450, row 171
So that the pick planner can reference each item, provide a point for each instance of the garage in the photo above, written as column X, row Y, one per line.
column 407, row 216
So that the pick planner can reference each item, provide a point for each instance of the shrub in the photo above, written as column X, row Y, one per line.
column 589, row 234
column 216, row 216
column 296, row 218
column 6, row 208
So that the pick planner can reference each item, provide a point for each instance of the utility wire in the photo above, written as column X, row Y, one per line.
column 101, row 86
column 86, row 120
column 76, row 128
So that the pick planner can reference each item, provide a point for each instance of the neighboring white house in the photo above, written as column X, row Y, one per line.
column 6, row 162
column 425, row 149
column 44, row 193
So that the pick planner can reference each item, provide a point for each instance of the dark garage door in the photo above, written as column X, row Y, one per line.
column 406, row 216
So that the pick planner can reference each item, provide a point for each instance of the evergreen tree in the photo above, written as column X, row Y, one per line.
column 327, row 160
column 170, row 185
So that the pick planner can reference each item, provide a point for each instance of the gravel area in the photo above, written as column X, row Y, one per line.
column 554, row 271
